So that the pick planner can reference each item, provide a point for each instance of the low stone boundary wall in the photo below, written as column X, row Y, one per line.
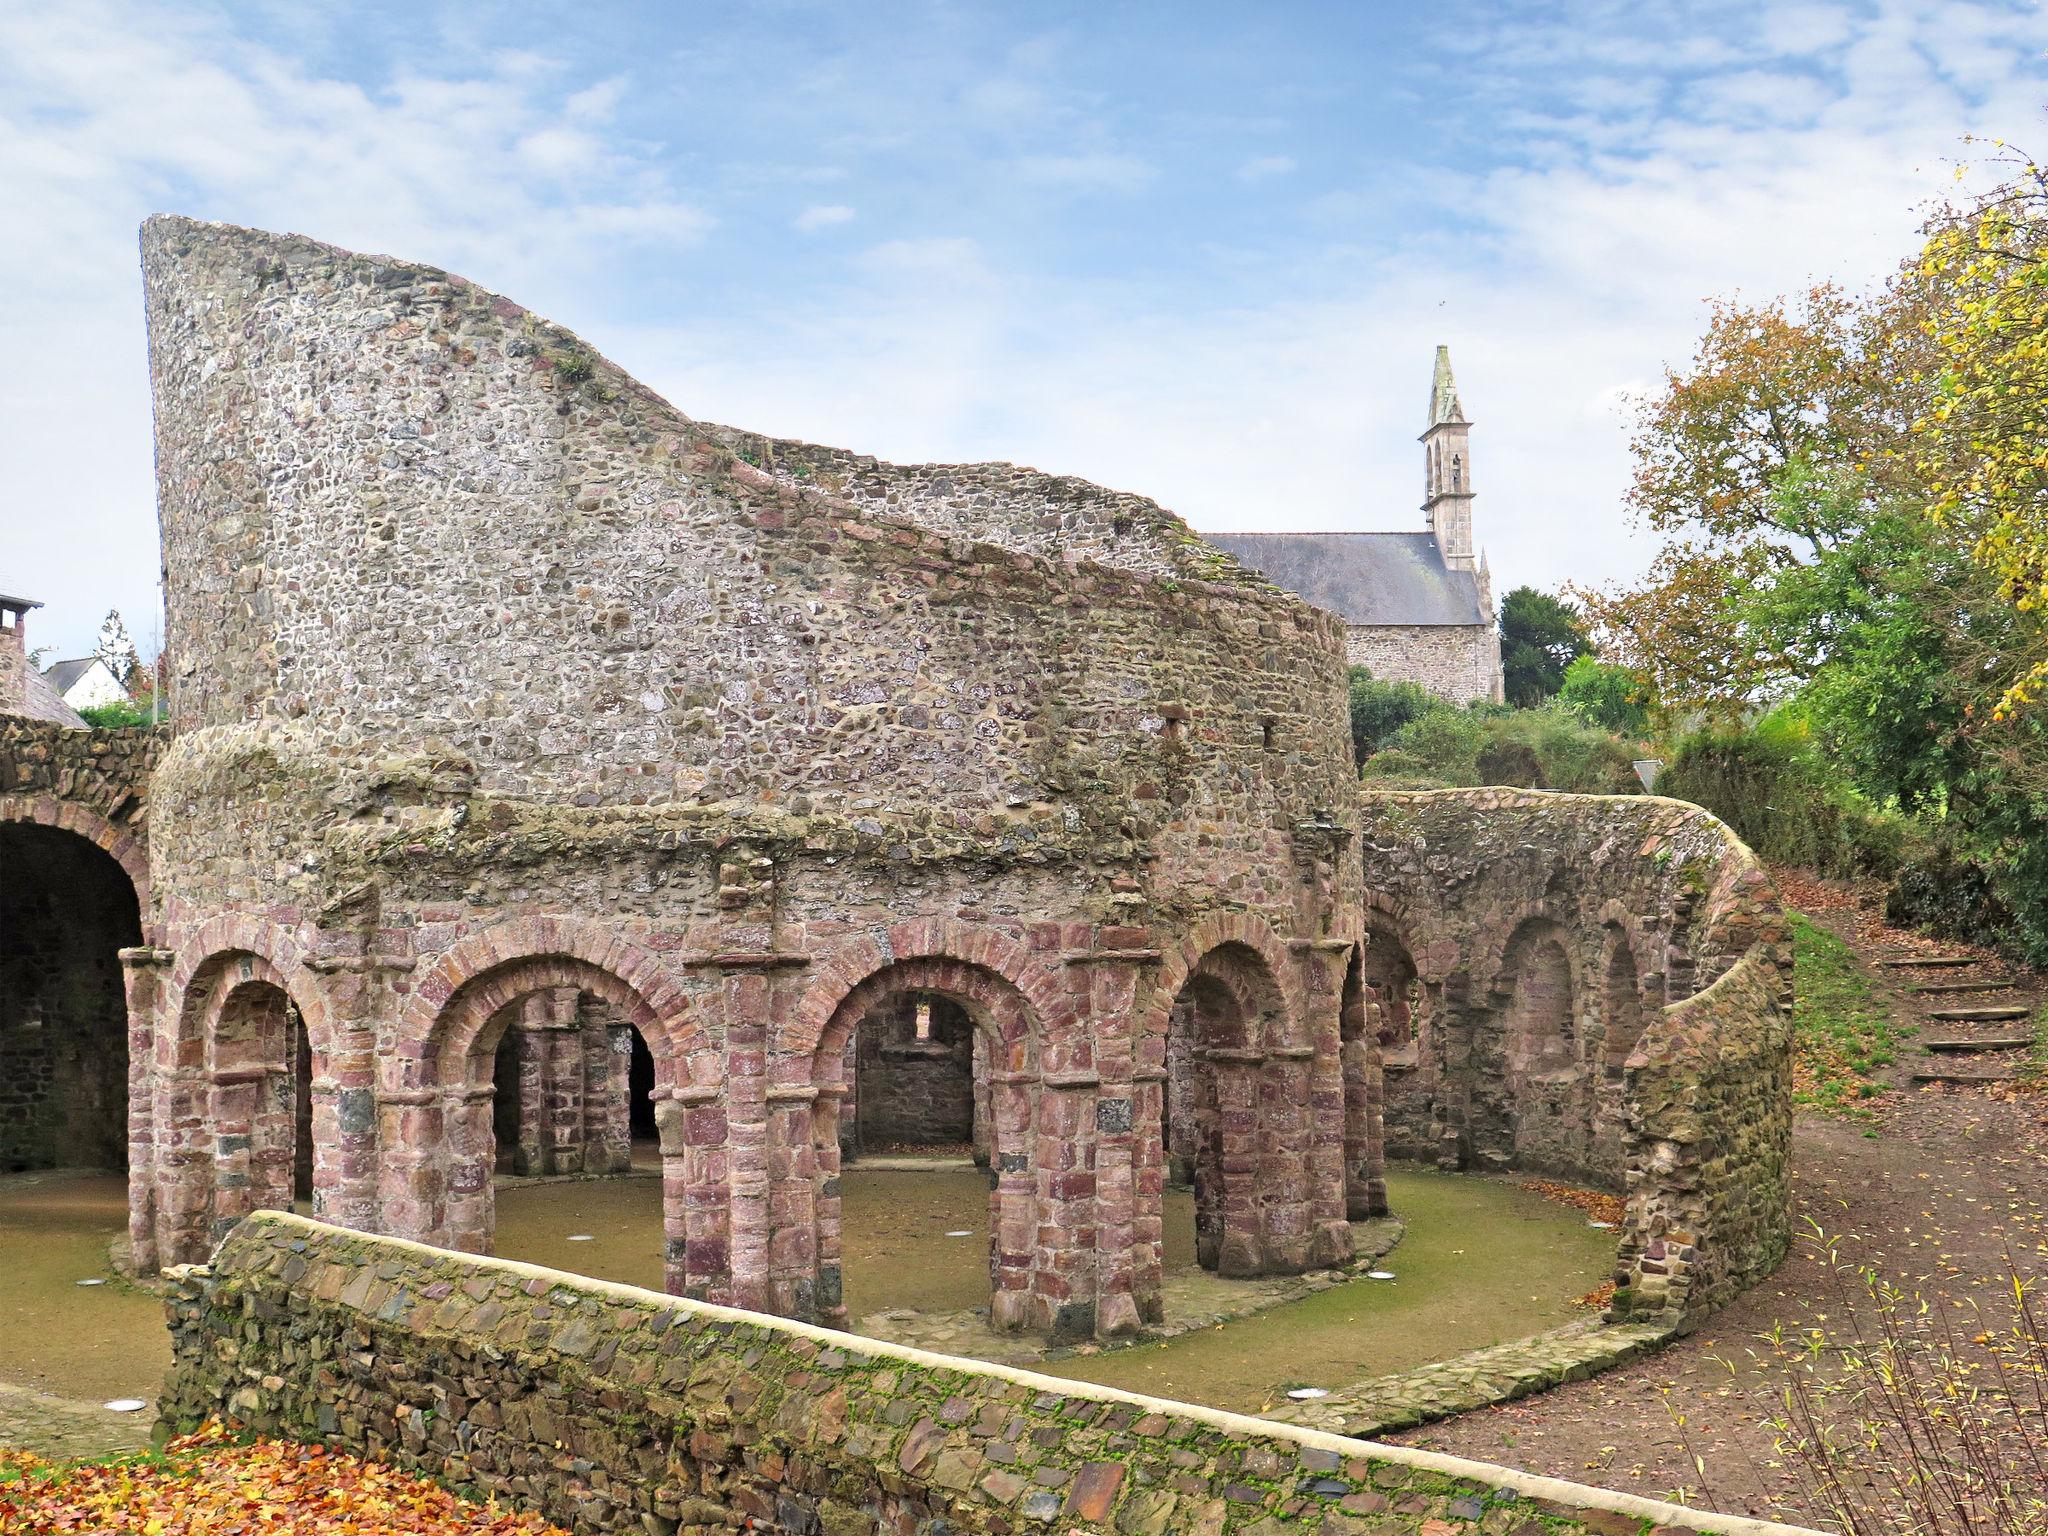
column 613, row 1409
column 1481, row 1379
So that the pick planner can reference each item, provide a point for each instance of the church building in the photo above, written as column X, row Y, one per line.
column 1418, row 607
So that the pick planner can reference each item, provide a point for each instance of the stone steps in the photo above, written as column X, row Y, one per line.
column 1930, row 987
column 1958, row 1075
column 1985, row 1015
column 1917, row 961
column 1989, row 1043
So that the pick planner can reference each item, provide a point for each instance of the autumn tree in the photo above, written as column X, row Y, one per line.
column 1983, row 439
column 1769, row 448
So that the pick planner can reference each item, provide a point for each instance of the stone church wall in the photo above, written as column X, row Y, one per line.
column 1457, row 662
column 611, row 1409
column 1602, row 994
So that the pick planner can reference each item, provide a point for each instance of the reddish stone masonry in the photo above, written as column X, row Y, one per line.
column 526, row 730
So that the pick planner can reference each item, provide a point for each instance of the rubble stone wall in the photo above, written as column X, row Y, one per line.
column 498, row 675
column 616, row 1410
column 1602, row 993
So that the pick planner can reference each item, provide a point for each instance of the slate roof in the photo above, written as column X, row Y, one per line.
column 63, row 674
column 1364, row 578
column 42, row 702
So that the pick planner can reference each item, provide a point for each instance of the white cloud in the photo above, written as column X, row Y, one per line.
column 109, row 112
column 1090, row 172
column 821, row 216
column 1265, row 167
column 1637, row 158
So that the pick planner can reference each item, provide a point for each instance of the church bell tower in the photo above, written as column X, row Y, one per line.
column 1447, row 469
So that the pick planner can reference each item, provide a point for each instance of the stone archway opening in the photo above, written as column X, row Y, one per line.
column 1401, row 1029
column 1528, row 1100
column 67, row 909
column 1621, row 1031
column 572, row 1088
column 1226, row 1122
column 558, row 1033
column 914, row 1084
column 969, row 1085
column 259, row 1068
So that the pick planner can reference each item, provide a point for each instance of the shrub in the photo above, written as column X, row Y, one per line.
column 1613, row 697
column 124, row 714
column 1548, row 748
column 1504, row 760
column 1780, row 796
column 1380, row 709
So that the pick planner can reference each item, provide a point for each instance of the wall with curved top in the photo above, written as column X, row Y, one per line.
column 1601, row 993
column 496, row 673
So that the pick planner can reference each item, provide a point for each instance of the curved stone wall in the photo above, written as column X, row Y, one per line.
column 497, row 676
column 1597, row 989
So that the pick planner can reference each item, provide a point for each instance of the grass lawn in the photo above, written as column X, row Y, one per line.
column 1843, row 1029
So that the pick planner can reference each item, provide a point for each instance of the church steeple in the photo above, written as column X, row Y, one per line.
column 1447, row 468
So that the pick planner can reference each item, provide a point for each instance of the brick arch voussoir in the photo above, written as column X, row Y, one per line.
column 123, row 847
column 203, row 1011
column 280, row 961
column 882, row 960
column 457, row 997
column 1212, row 933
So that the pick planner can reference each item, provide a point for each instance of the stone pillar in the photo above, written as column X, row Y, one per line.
column 750, row 1149
column 1320, row 965
column 358, row 994
column 145, row 974
column 1129, row 1166
column 696, row 1186
column 607, row 1092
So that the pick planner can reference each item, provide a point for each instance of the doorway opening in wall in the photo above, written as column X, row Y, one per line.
column 302, row 1115
column 1178, row 1139
column 578, row 1161
column 645, row 1153
column 67, row 909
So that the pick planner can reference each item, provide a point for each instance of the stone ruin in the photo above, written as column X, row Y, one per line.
column 549, row 770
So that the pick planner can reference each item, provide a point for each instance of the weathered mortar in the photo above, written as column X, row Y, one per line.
column 499, row 673
column 1668, row 926
column 616, row 1410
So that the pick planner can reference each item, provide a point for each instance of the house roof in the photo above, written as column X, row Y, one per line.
column 62, row 674
column 42, row 702
column 1364, row 578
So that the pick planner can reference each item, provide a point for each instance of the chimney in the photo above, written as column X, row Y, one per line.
column 14, row 662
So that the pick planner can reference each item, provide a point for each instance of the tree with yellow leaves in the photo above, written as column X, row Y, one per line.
column 1983, row 438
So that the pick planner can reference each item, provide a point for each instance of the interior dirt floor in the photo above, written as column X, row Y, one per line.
column 67, row 1348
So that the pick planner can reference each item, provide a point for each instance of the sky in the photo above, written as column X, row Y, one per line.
column 1200, row 251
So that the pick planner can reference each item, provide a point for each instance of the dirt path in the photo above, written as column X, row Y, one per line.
column 1940, row 1189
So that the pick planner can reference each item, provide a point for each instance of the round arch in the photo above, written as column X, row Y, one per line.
column 84, row 821
column 437, row 1153
column 1040, row 1130
column 454, row 1000
column 853, row 963
column 238, row 1100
